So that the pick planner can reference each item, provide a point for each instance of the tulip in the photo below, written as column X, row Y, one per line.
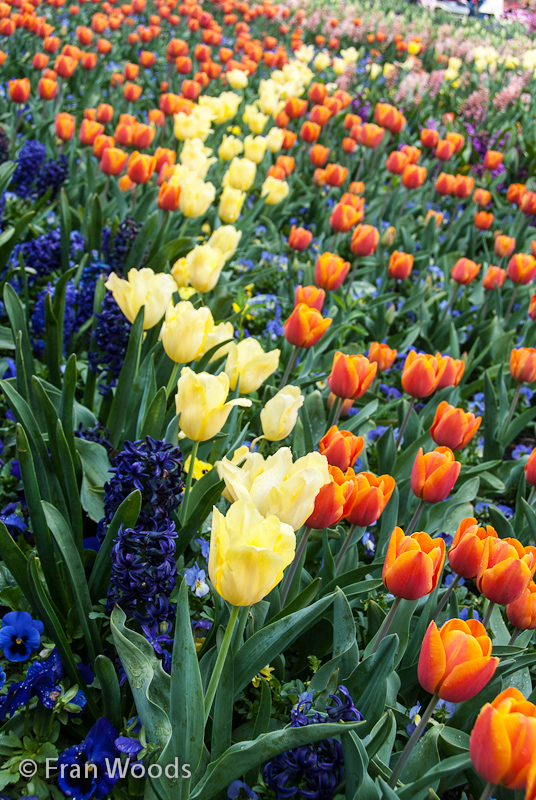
column 421, row 374
column 413, row 176
column 381, row 355
column 47, row 89
column 433, row 475
column 389, row 117
column 113, row 161
column 89, row 130
column 412, row 153
column 331, row 501
column 368, row 498
column 396, row 162
column 248, row 553
column 365, row 240
column 225, row 239
column 356, row 187
column 305, row 326
column 370, row 135
column 140, row 167
column 274, row 191
column 431, row 214
column 102, row 143
column 310, row 131
column 197, row 197
column 523, row 364
column 503, row 740
column 465, row 553
column 463, row 186
column 205, row 264
column 492, row 159
column 299, row 238
column 330, row 271
column 241, row 173
column 456, row 139
column 521, row 613
column 494, row 278
column 351, row 376
column 400, row 265
column 143, row 136
column 201, row 402
column 429, row 138
column 444, row 184
column 255, row 148
column 453, row 427
column 295, row 107
column 505, row 570
column 335, row 174
column 504, row 246
column 515, row 193
column 341, row 448
column 530, row 468
column 413, row 564
column 65, row 66
column 483, row 220
column 277, row 485
column 452, row 373
column 344, row 217
column 280, row 414
column 482, row 197
column 248, row 365
column 310, row 295
column 318, row 155
column 532, row 308
column 521, row 268
column 444, row 150
column 455, row 662
column 144, row 289
column 231, row 202
column 169, row 197
column 528, row 203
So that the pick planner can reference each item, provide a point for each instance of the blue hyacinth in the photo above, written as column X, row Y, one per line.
column 29, row 161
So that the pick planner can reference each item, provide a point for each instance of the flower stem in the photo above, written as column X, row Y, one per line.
column 404, row 425
column 488, row 790
column 513, row 637
column 172, row 380
column 239, row 632
column 532, row 495
column 415, row 518
column 511, row 303
column 487, row 615
column 290, row 366
column 344, row 548
column 443, row 602
column 450, row 302
column 413, row 739
column 189, row 479
column 386, row 624
column 220, row 661
column 350, row 281
column 338, row 410
column 512, row 408
column 294, row 566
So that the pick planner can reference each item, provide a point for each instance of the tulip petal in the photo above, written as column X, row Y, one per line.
column 489, row 746
column 410, row 577
column 467, row 679
column 432, row 661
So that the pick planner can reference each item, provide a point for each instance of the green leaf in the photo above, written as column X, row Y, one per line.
column 359, row 784
column 17, row 321
column 16, row 562
column 368, row 682
column 153, row 421
column 110, row 691
column 344, row 653
column 95, row 469
column 418, row 790
column 116, row 418
column 305, row 598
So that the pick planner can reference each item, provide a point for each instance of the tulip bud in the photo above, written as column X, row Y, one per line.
column 463, row 186
column 433, row 475
column 482, row 197
column 492, row 159
column 396, row 162
column 184, row 331
column 351, row 376
column 413, row 176
column 330, row 271
column 344, row 217
column 341, row 448
column 522, row 612
column 413, row 564
column 248, row 365
column 505, row 570
column 201, row 402
column 504, row 246
column 381, row 355
column 515, row 193
column 444, row 184
column 465, row 553
column 452, row 372
column 444, row 150
column 388, row 236
column 483, row 220
column 280, row 414
column 530, row 469
column 429, row 138
column 521, row 268
column 365, row 240
column 310, row 295
column 523, row 364
column 305, row 326
column 368, row 498
column 421, row 374
column 453, row 427
column 400, row 265
column 335, row 175
column 494, row 278
column 330, row 501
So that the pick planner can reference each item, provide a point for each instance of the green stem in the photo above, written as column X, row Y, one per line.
column 350, row 281
column 487, row 615
column 287, row 581
column 404, row 425
column 239, row 632
column 413, row 739
column 220, row 661
column 513, row 637
column 338, row 410
column 532, row 495
column 290, row 365
column 172, row 380
column 485, row 306
column 443, row 602
column 488, row 791
column 511, row 303
column 386, row 624
column 415, row 518
column 189, row 479
column 344, row 548
column 512, row 409
column 450, row 302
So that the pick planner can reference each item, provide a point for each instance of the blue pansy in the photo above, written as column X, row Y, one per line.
column 240, row 790
column 20, row 635
column 75, row 777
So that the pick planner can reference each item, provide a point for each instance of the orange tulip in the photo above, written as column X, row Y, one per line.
column 389, row 117
column 528, row 203
column 503, row 740
column 310, row 131
column 330, row 501
column 413, row 176
column 515, row 193
column 102, row 143
column 299, row 238
column 456, row 139
column 434, row 474
column 319, row 177
column 370, row 135
column 492, row 159
column 318, row 155
column 344, row 217
column 318, row 115
column 429, row 138
column 40, row 60
column 522, row 612
column 532, row 308
column 132, row 92
column 65, row 66
column 483, row 220
column 317, row 92
column 105, row 113
column 168, row 197
column 351, row 376
column 368, row 498
column 396, row 162
column 530, row 469
column 455, row 661
column 47, row 89
column 400, row 265
column 465, row 553
column 482, row 197
column 88, row 61
column 494, row 278
column 295, row 107
column 504, row 246
column 310, row 295
column 413, row 564
column 353, row 200
column 452, row 373
column 89, row 130
column 305, row 326
column 64, row 125
column 453, row 427
column 140, row 167
column 365, row 240
column 463, row 186
column 444, row 150
column 505, row 570
column 143, row 136
column 421, row 374
column 444, row 183
column 411, row 152
column 330, row 271
column 335, row 174
column 113, row 161
column 464, row 271
column 341, row 448
column 521, row 268
column 356, row 187
column 19, row 90
column 523, row 364
column 381, row 355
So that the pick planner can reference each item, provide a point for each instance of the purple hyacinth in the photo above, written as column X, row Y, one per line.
column 29, row 160
column 37, row 321
column 51, row 176
column 111, row 336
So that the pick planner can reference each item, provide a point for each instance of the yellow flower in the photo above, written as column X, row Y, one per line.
column 181, row 274
column 200, row 468
column 388, row 69
column 279, row 415
column 255, row 148
column 414, row 48
column 185, row 292
column 339, row 66
column 196, row 124
column 305, row 53
column 241, row 174
column 196, row 197
column 220, row 333
column 254, row 119
column 274, row 139
column 205, row 264
column 321, row 62
column 249, row 365
column 184, row 331
column 374, row 70
column 266, row 673
column 223, row 107
column 143, row 288
column 274, row 191
column 225, row 239
column 277, row 485
column 201, row 402
column 230, row 147
column 195, row 156
column 231, row 202
column 237, row 79
column 248, row 553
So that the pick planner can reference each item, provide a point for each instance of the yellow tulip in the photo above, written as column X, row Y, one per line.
column 184, row 331
column 248, row 553
column 225, row 239
column 279, row 415
column 144, row 288
column 277, row 486
column 231, row 202
column 237, row 79
column 205, row 264
column 274, row 191
column 249, row 365
column 201, row 402
column 196, row 124
column 219, row 333
column 339, row 66
column 223, row 107
column 254, row 119
column 321, row 62
column 274, row 139
column 240, row 174
column 230, row 147
column 195, row 156
column 255, row 148
column 181, row 273
column 196, row 197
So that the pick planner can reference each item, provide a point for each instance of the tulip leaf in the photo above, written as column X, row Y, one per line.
column 382, row 737
column 368, row 682
column 418, row 790
column 359, row 784
column 116, row 418
column 453, row 741
column 344, row 652
column 110, row 691
column 302, row 600
column 273, row 639
column 95, row 469
column 16, row 562
column 243, row 756
column 424, row 756
column 139, row 245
